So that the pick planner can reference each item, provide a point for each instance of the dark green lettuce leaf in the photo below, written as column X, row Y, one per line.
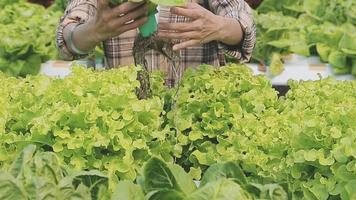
column 158, row 176
column 36, row 175
column 229, row 170
column 10, row 188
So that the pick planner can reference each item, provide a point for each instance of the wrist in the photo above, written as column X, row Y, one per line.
column 72, row 43
column 83, row 39
column 230, row 31
column 222, row 29
column 89, row 29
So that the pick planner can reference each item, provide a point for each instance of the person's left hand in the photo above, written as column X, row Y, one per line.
column 204, row 27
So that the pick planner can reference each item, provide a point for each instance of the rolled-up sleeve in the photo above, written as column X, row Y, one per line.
column 78, row 11
column 241, row 11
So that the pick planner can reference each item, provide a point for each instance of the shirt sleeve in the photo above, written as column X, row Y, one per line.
column 241, row 11
column 77, row 11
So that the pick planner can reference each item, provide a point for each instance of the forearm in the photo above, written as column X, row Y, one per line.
column 231, row 32
column 238, row 36
column 83, row 37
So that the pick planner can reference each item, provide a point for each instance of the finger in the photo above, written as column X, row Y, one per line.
column 176, row 27
column 128, row 18
column 135, row 14
column 189, row 5
column 177, row 35
column 133, row 25
column 126, row 7
column 186, row 12
column 185, row 44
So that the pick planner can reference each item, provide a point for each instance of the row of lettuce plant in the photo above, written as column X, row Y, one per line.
column 325, row 28
column 303, row 142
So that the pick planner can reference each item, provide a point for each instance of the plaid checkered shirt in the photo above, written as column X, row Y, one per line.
column 118, row 50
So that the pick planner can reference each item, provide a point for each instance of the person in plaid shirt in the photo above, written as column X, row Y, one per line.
column 206, row 31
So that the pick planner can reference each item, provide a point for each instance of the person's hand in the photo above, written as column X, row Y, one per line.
column 111, row 22
column 204, row 27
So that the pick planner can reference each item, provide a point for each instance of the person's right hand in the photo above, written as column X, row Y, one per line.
column 111, row 22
